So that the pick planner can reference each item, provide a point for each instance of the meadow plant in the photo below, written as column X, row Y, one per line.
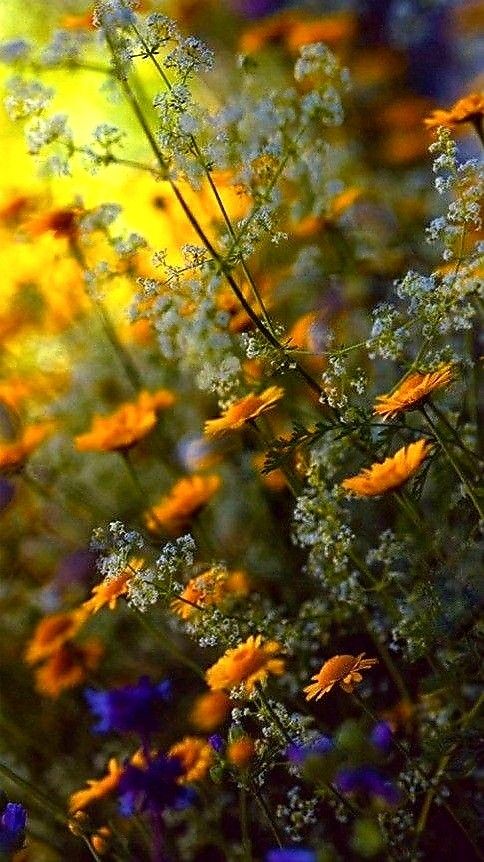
column 239, row 408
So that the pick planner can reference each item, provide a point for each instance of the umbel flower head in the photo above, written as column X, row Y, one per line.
column 185, row 500
column 196, row 757
column 133, row 708
column 209, row 588
column 412, row 392
column 392, row 473
column 126, row 426
column 469, row 109
column 247, row 664
column 342, row 670
column 242, row 411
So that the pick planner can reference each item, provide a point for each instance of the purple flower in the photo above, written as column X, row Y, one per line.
column 257, row 8
column 381, row 736
column 286, row 854
column 216, row 742
column 153, row 789
column 133, row 708
column 12, row 827
column 367, row 779
column 7, row 493
column 297, row 753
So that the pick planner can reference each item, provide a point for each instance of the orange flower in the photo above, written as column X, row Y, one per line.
column 61, row 222
column 343, row 670
column 288, row 28
column 52, row 632
column 126, row 426
column 209, row 588
column 78, row 22
column 100, row 840
column 97, row 788
column 109, row 591
column 195, row 755
column 13, row 455
column 187, row 497
column 210, row 710
column 68, row 667
column 240, row 751
column 469, row 109
column 412, row 391
column 246, row 664
column 241, row 411
column 392, row 473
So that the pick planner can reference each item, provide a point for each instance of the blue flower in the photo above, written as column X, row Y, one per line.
column 286, row 854
column 381, row 736
column 155, row 788
column 216, row 742
column 133, row 708
column 298, row 753
column 12, row 827
column 367, row 779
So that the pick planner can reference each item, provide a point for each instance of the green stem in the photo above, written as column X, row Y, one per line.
column 458, row 442
column 465, row 481
column 244, row 825
column 36, row 796
column 267, row 814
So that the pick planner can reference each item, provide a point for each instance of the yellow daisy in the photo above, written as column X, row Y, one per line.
column 343, row 670
column 242, row 411
column 412, row 391
column 246, row 664
column 392, row 473
column 185, row 500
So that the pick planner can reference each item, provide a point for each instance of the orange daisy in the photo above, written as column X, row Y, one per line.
column 52, row 632
column 67, row 667
column 97, row 788
column 392, row 473
column 210, row 710
column 109, row 591
column 195, row 755
column 61, row 222
column 209, row 588
column 240, row 751
column 126, row 426
column 242, row 411
column 13, row 455
column 185, row 500
column 412, row 391
column 246, row 664
column 342, row 670
column 469, row 109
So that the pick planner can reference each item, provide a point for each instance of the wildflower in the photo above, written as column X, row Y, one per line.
column 78, row 22
column 7, row 493
column 153, row 788
column 61, row 222
column 242, row 411
column 210, row 710
column 392, row 473
column 412, row 391
column 13, row 455
column 469, row 109
column 240, row 751
column 381, row 736
column 248, row 663
column 185, row 500
column 131, row 708
column 68, row 667
column 196, row 757
column 209, row 588
column 97, row 788
column 13, row 819
column 126, row 426
column 109, row 590
column 52, row 632
column 100, row 839
column 343, row 670
column 367, row 780
column 298, row 753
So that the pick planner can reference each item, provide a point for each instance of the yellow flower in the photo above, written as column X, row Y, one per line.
column 195, row 755
column 109, row 591
column 469, row 109
column 68, row 667
column 343, row 670
column 412, row 391
column 13, row 455
column 61, row 222
column 52, row 632
column 97, row 788
column 240, row 751
column 392, row 473
column 210, row 710
column 209, row 588
column 187, row 497
column 248, row 663
column 241, row 411
column 126, row 426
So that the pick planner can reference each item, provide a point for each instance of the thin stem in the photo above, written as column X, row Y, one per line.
column 465, row 481
column 244, row 825
column 90, row 847
column 37, row 796
column 458, row 442
column 267, row 814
